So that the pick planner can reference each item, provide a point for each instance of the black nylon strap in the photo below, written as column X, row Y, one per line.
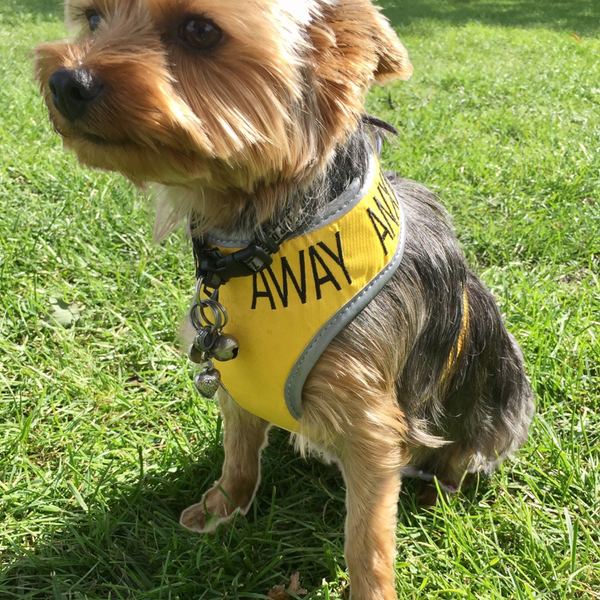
column 216, row 268
column 380, row 123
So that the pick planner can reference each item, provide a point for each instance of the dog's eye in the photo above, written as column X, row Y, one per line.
column 200, row 33
column 94, row 19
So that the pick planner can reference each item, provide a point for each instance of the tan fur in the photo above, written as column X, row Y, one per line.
column 351, row 411
column 353, row 45
column 263, row 113
column 244, row 439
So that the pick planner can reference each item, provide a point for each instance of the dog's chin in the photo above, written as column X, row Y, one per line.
column 141, row 164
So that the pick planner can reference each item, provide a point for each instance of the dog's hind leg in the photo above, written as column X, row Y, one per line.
column 244, row 438
column 488, row 409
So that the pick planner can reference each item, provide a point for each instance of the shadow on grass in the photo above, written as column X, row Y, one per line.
column 581, row 17
column 129, row 544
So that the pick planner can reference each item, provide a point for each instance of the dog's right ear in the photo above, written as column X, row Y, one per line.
column 353, row 46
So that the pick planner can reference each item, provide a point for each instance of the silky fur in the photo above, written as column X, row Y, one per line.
column 262, row 131
column 237, row 126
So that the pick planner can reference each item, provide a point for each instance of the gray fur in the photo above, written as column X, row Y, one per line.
column 485, row 407
column 300, row 204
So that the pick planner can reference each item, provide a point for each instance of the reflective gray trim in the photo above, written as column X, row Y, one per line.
column 343, row 204
column 311, row 354
column 216, row 237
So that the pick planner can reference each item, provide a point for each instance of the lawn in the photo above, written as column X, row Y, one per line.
column 102, row 439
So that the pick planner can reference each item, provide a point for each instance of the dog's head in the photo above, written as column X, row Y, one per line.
column 233, row 93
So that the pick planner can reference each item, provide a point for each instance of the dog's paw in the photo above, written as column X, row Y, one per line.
column 194, row 518
column 214, row 508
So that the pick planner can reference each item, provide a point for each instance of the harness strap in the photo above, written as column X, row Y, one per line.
column 216, row 268
column 457, row 350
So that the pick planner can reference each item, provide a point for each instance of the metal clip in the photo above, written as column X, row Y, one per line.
column 209, row 317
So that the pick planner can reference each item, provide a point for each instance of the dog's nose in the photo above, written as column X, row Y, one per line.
column 73, row 91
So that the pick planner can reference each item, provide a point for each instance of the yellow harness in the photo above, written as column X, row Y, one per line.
column 287, row 314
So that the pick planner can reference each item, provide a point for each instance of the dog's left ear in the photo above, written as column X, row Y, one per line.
column 353, row 46
column 393, row 57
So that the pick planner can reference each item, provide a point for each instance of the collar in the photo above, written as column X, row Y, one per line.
column 215, row 268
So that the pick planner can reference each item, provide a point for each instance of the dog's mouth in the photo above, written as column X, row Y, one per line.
column 101, row 141
column 79, row 131
column 138, row 161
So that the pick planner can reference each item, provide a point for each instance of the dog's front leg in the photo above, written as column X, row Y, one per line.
column 372, row 475
column 244, row 438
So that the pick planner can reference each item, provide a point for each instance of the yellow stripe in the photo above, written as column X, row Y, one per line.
column 458, row 348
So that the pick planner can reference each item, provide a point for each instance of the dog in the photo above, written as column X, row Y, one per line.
column 249, row 120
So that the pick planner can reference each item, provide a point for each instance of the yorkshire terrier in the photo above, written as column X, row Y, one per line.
column 358, row 325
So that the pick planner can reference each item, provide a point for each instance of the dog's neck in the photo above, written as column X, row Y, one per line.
column 298, row 203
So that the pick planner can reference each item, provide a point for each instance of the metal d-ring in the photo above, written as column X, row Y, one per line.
column 218, row 312
column 199, row 318
column 198, row 314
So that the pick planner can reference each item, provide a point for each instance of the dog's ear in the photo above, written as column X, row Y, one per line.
column 353, row 46
column 393, row 57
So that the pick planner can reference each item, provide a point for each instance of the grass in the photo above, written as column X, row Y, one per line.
column 102, row 440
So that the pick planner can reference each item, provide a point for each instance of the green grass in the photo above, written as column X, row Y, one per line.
column 102, row 440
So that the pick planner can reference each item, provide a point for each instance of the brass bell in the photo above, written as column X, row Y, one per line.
column 225, row 348
column 208, row 382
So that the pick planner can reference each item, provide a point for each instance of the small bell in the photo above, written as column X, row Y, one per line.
column 225, row 348
column 208, row 382
column 196, row 356
column 205, row 339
